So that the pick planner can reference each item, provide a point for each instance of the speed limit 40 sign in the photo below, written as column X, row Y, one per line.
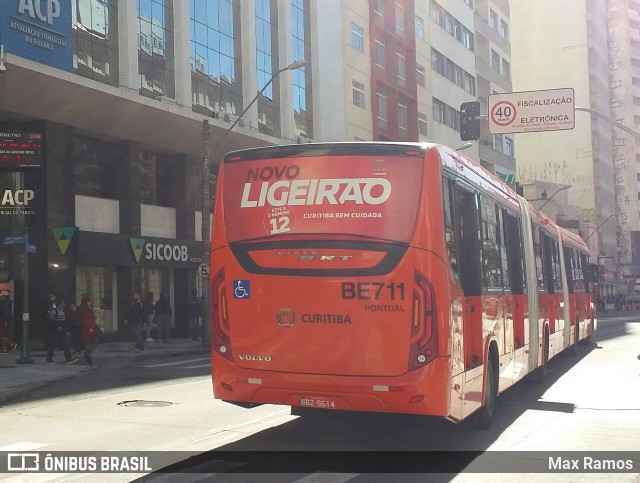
column 531, row 111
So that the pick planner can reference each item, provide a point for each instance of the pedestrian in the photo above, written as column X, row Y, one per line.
column 6, row 323
column 135, row 315
column 75, row 329
column 150, row 324
column 194, row 309
column 58, row 331
column 89, row 328
column 162, row 309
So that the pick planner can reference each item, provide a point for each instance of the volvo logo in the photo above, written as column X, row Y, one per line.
column 255, row 357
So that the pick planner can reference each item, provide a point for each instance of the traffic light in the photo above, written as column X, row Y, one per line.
column 469, row 121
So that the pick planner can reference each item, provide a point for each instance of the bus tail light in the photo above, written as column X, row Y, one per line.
column 423, row 323
column 220, row 334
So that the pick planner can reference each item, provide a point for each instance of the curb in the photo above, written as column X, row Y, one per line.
column 28, row 388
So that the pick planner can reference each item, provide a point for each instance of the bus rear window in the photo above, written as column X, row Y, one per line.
column 334, row 195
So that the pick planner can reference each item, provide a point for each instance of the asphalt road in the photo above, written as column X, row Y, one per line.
column 588, row 403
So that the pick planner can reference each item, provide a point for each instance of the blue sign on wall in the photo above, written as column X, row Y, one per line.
column 38, row 30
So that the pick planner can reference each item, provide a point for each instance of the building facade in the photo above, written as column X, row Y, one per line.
column 569, row 49
column 108, row 99
column 102, row 108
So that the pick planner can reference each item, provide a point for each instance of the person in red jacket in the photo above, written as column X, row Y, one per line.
column 89, row 328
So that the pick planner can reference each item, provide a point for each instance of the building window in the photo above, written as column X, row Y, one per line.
column 419, row 28
column 379, row 52
column 155, row 48
column 378, row 7
column 403, row 116
column 495, row 61
column 469, row 83
column 357, row 37
column 506, row 69
column 358, row 93
column 401, row 67
column 302, row 79
column 504, row 29
column 95, row 35
column 267, row 64
column 508, row 147
column 438, row 110
column 493, row 19
column 215, row 55
column 399, row 20
column 422, row 123
column 420, row 75
column 446, row 67
column 498, row 142
column 381, row 96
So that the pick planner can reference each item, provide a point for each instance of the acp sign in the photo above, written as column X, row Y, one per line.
column 16, row 197
column 40, row 30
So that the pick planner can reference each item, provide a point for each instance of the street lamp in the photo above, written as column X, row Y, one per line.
column 562, row 188
column 602, row 224
column 206, row 208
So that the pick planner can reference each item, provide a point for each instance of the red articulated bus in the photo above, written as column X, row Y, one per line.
column 385, row 277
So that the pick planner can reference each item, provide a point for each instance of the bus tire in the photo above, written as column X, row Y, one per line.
column 486, row 412
column 542, row 371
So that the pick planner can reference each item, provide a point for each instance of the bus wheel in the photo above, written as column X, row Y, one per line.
column 542, row 371
column 485, row 413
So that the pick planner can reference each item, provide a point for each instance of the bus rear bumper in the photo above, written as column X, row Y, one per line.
column 424, row 391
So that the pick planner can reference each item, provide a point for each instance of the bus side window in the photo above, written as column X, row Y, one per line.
column 449, row 232
column 513, row 243
column 467, row 234
column 547, row 262
column 492, row 281
column 579, row 285
column 557, row 273
column 584, row 263
column 538, row 254
column 571, row 269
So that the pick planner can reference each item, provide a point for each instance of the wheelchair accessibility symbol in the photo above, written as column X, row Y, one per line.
column 241, row 289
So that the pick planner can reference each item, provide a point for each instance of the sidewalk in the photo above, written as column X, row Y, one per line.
column 17, row 380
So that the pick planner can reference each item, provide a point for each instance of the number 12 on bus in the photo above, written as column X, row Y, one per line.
column 408, row 280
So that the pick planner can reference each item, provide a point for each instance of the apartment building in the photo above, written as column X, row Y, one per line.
column 565, row 45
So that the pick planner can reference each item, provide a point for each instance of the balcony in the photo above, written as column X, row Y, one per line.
column 483, row 28
column 486, row 71
column 488, row 154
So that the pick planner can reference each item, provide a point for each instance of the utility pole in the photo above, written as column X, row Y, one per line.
column 206, row 232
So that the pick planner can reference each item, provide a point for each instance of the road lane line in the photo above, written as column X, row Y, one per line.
column 165, row 364
column 195, row 367
column 23, row 446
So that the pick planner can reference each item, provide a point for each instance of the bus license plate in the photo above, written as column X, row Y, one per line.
column 317, row 402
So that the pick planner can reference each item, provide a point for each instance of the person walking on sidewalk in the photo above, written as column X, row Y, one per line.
column 75, row 328
column 89, row 328
column 162, row 309
column 136, row 315
column 149, row 324
column 194, row 309
column 58, row 331
column 6, row 323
